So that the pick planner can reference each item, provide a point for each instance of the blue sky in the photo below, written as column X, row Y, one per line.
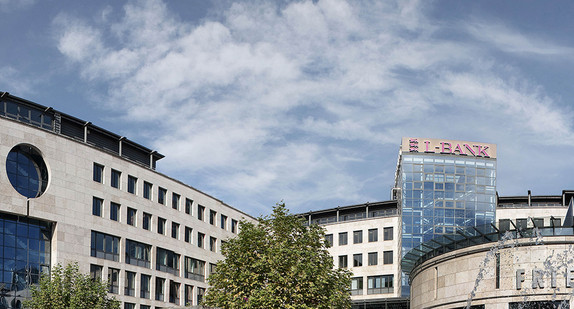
column 255, row 102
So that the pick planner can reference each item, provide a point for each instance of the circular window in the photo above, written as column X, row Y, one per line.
column 27, row 171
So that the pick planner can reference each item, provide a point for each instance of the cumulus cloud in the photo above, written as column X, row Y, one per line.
column 264, row 102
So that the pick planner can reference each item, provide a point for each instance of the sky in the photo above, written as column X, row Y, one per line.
column 305, row 102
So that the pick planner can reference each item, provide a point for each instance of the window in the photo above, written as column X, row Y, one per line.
column 380, row 284
column 194, row 269
column 173, row 292
column 357, row 286
column 357, row 260
column 357, row 237
column 115, row 181
column 212, row 244
column 132, row 184
column 146, row 222
column 175, row 201
column 145, row 307
column 160, row 225
column 223, row 222
column 521, row 224
column 97, row 206
column 129, row 306
column 130, row 287
column 131, row 219
column 174, row 230
column 200, row 212
column 114, row 280
column 373, row 258
column 233, row 226
column 98, row 172
column 212, row 216
column 538, row 222
column 388, row 233
column 145, row 286
column 388, row 257
column 200, row 239
column 212, row 268
column 342, row 261
column 161, row 193
column 114, row 211
column 105, row 246
column 188, row 295
column 147, row 190
column 188, row 205
column 555, row 222
column 342, row 239
column 373, row 235
column 159, row 288
column 504, row 225
column 167, row 261
column 329, row 240
column 200, row 293
column 96, row 272
column 188, row 234
column 138, row 253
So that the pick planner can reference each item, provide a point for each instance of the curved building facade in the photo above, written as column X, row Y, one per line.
column 72, row 191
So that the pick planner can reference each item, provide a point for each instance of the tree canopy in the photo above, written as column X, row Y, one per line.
column 279, row 262
column 67, row 287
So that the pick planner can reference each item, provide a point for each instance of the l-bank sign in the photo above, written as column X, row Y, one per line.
column 461, row 148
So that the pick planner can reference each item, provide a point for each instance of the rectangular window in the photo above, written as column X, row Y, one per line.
column 357, row 237
column 97, row 206
column 212, row 244
column 145, row 307
column 233, row 226
column 357, row 260
column 130, row 285
column 357, row 286
column 96, row 272
column 329, row 240
column 98, row 173
column 194, row 269
column 114, row 280
column 373, row 258
column 200, row 212
column 188, row 234
column 145, row 286
column 188, row 296
column 129, row 306
column 173, row 292
column 174, row 230
column 521, row 224
column 147, row 190
column 388, row 233
column 160, row 225
column 159, row 288
column 538, row 222
column 504, row 225
column 131, row 218
column 175, row 201
column 555, row 222
column 212, row 216
column 200, row 239
column 212, row 268
column 167, row 261
column 200, row 293
column 342, row 238
column 223, row 221
column 105, row 246
column 497, row 270
column 373, row 235
column 188, row 206
column 138, row 253
column 132, row 184
column 115, row 181
column 380, row 284
column 387, row 257
column 161, row 193
column 146, row 222
column 114, row 211
column 343, row 263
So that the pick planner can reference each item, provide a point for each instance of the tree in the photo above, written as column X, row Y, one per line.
column 278, row 263
column 67, row 287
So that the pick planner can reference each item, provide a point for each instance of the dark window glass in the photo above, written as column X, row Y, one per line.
column 212, row 216
column 147, row 189
column 145, row 286
column 343, row 261
column 188, row 205
column 373, row 235
column 342, row 239
column 173, row 292
column 188, row 295
column 98, row 172
column 175, row 230
column 161, row 193
column 538, row 222
column 27, row 171
column 200, row 212
column 357, row 260
column 175, row 201
column 200, row 293
column 146, row 221
column 160, row 225
column 97, row 206
column 132, row 184
column 130, row 284
column 329, row 240
column 388, row 233
column 105, row 246
column 200, row 239
column 373, row 258
column 233, row 226
column 96, row 272
column 521, row 224
column 138, row 253
column 357, row 237
column 167, row 261
column 223, row 222
column 114, row 280
column 159, row 289
column 357, row 286
column 380, row 284
column 388, row 257
column 114, row 211
column 212, row 244
column 188, row 234
column 131, row 219
column 194, row 269
column 115, row 181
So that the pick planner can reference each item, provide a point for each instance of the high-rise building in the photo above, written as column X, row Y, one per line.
column 442, row 185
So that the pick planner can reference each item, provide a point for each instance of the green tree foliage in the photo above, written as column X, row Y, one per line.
column 278, row 263
column 69, row 288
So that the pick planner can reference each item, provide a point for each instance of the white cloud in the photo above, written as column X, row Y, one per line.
column 273, row 102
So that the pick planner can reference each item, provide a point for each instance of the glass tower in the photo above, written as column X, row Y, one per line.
column 443, row 185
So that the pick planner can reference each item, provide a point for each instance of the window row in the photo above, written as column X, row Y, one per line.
column 163, row 289
column 372, row 259
column 372, row 234
column 107, row 247
column 162, row 196
column 375, row 285
column 161, row 227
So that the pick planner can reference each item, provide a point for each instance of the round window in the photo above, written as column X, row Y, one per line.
column 27, row 171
